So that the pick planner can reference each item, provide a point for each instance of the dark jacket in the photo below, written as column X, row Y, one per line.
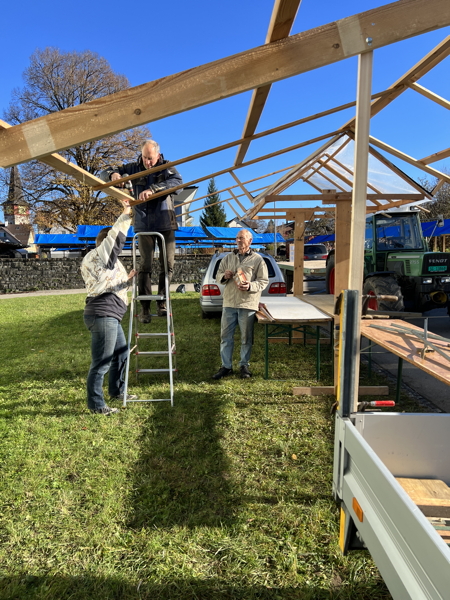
column 153, row 215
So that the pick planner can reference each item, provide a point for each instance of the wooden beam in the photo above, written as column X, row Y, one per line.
column 424, row 66
column 435, row 157
column 260, row 200
column 58, row 162
column 220, row 79
column 430, row 95
column 409, row 159
column 283, row 16
column 241, row 185
column 241, row 206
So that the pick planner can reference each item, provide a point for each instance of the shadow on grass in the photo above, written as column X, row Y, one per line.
column 111, row 588
column 182, row 475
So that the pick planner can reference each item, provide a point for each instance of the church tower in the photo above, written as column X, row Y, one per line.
column 15, row 208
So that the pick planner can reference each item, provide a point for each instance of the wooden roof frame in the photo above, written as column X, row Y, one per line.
column 258, row 69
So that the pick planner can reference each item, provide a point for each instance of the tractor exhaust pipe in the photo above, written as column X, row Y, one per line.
column 439, row 297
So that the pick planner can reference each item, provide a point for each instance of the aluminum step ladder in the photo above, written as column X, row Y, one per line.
column 135, row 337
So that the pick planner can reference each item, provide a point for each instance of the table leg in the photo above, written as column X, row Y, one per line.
column 399, row 380
column 266, row 353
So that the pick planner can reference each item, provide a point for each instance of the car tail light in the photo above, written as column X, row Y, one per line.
column 211, row 290
column 277, row 288
column 324, row 256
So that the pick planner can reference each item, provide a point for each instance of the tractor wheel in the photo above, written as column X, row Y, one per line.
column 329, row 275
column 383, row 286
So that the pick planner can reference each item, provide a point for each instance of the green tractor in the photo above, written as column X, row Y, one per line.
column 398, row 262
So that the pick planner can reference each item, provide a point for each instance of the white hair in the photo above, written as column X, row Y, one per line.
column 151, row 143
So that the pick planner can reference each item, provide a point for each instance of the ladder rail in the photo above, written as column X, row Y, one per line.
column 170, row 335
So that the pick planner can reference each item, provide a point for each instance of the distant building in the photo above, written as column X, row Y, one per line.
column 17, row 231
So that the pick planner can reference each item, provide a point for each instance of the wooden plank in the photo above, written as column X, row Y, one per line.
column 409, row 159
column 259, row 201
column 430, row 95
column 425, row 489
column 283, row 16
column 329, row 390
column 408, row 348
column 241, row 185
column 435, row 157
column 221, row 79
column 63, row 165
column 421, row 68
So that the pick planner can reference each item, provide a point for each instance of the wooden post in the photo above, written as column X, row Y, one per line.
column 299, row 252
column 359, row 198
column 342, row 238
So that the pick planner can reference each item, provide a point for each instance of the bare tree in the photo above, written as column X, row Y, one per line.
column 440, row 206
column 56, row 80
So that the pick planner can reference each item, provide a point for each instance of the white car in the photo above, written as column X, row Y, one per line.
column 211, row 298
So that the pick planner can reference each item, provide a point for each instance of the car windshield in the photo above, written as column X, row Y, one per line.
column 398, row 232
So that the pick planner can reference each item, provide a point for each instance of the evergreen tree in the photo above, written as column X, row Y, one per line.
column 214, row 214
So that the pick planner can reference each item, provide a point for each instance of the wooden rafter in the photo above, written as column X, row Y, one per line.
column 421, row 68
column 221, row 79
column 430, row 95
column 435, row 157
column 283, row 16
column 409, row 159
column 58, row 162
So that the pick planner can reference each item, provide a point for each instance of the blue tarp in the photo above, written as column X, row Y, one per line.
column 427, row 230
column 228, row 235
column 58, row 239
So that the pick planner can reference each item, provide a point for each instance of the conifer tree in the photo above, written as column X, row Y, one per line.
column 214, row 214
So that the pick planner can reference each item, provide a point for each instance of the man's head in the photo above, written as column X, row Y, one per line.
column 244, row 240
column 102, row 235
column 150, row 153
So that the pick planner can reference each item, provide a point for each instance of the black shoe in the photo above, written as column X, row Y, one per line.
column 145, row 318
column 162, row 309
column 245, row 373
column 222, row 372
column 106, row 410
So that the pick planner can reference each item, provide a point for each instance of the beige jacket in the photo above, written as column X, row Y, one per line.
column 255, row 271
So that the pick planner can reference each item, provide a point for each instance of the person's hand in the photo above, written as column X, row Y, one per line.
column 126, row 207
column 145, row 195
column 115, row 176
column 228, row 274
column 245, row 286
column 132, row 274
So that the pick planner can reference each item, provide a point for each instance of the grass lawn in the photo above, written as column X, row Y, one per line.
column 226, row 495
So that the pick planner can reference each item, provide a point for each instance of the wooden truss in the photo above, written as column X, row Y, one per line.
column 342, row 190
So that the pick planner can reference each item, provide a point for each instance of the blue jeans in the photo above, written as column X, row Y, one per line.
column 231, row 317
column 109, row 351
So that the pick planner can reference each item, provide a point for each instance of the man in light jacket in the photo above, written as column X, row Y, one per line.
column 244, row 274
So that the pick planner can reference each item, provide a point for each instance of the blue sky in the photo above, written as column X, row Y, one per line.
column 158, row 39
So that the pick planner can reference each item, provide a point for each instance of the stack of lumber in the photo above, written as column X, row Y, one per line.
column 432, row 496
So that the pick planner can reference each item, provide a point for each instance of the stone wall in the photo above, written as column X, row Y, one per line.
column 19, row 275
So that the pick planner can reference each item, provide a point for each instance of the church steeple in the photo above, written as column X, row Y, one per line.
column 15, row 208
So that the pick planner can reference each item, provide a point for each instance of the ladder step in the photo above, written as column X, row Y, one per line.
column 156, row 370
column 153, row 353
column 152, row 335
column 152, row 297
column 151, row 400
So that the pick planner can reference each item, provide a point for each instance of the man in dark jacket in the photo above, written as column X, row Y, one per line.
column 152, row 215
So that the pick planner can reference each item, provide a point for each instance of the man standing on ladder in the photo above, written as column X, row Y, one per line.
column 152, row 215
